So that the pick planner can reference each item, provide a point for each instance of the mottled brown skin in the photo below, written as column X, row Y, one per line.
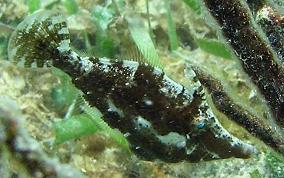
column 167, row 114
column 163, row 113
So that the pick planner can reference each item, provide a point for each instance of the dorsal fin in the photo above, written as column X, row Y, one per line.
column 133, row 53
column 39, row 39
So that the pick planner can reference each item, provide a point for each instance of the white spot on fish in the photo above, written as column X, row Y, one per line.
column 113, row 108
column 141, row 122
column 148, row 101
column 173, row 138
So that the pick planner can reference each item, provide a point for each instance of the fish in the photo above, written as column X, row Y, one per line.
column 161, row 119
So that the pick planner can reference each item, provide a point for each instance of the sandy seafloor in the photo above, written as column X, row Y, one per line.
column 26, row 94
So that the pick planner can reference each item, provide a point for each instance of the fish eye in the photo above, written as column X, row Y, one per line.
column 198, row 122
column 199, row 125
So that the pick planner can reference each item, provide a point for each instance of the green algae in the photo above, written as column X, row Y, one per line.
column 104, row 43
column 34, row 5
column 74, row 127
column 71, row 6
column 171, row 27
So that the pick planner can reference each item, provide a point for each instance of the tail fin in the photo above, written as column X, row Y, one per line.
column 38, row 40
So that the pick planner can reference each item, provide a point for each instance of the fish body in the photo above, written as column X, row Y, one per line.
column 160, row 118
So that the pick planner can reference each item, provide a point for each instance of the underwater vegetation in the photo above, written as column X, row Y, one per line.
column 253, row 30
column 196, row 135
